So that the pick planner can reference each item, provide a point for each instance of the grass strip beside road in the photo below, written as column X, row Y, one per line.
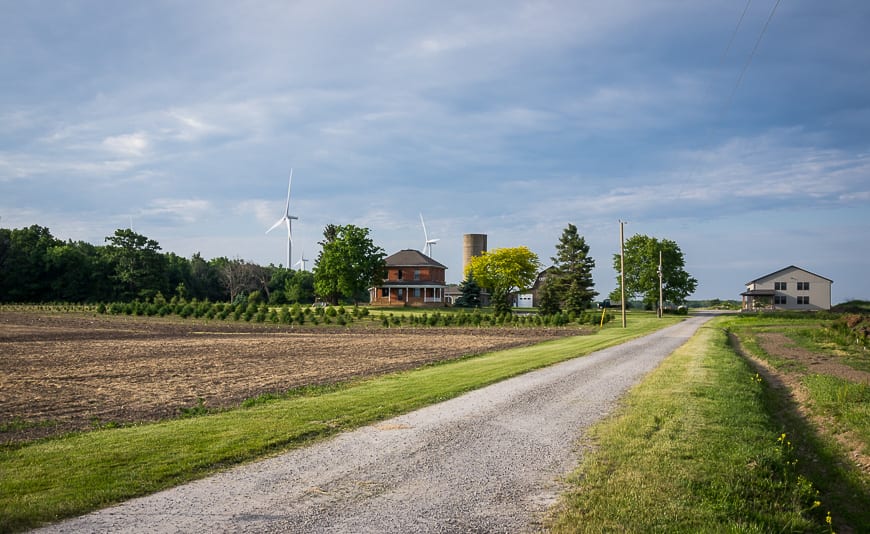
column 57, row 478
column 696, row 447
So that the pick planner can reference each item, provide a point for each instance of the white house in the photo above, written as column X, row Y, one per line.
column 791, row 288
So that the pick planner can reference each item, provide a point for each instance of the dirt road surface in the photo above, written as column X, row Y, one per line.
column 489, row 461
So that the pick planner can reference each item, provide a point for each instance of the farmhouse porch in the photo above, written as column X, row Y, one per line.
column 408, row 295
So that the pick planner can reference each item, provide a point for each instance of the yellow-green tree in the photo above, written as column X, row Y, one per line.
column 503, row 270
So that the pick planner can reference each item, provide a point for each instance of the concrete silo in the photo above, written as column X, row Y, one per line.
column 472, row 245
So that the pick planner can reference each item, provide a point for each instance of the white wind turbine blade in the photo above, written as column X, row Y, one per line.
column 277, row 224
column 289, row 185
column 425, row 233
column 427, row 245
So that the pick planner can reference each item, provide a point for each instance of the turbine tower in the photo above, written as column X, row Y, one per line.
column 302, row 260
column 427, row 246
column 287, row 220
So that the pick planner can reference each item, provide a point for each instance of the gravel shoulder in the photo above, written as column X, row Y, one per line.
column 489, row 461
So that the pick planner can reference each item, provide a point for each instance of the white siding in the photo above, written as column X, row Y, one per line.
column 819, row 292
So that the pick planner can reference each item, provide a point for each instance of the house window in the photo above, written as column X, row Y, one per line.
column 416, row 274
column 780, row 299
column 417, row 292
column 401, row 292
column 780, row 286
column 399, row 274
column 385, row 292
column 803, row 300
column 803, row 286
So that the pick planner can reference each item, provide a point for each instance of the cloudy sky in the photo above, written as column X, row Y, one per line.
column 740, row 131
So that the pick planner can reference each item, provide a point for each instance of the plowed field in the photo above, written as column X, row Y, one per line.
column 61, row 371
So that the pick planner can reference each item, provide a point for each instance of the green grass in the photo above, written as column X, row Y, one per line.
column 847, row 403
column 52, row 479
column 699, row 447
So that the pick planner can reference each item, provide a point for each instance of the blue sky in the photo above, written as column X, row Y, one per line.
column 507, row 118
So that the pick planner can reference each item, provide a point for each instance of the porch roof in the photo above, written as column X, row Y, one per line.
column 411, row 283
column 758, row 293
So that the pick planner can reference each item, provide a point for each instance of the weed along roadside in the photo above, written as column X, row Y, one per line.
column 48, row 480
column 706, row 443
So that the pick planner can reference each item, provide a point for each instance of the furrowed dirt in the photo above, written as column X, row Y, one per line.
column 62, row 372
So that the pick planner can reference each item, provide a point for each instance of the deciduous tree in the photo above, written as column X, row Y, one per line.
column 139, row 267
column 348, row 264
column 503, row 270
column 641, row 271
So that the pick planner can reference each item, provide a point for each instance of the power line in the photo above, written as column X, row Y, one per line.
column 751, row 55
column 734, row 33
column 727, row 105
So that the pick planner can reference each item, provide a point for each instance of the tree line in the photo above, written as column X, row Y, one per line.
column 37, row 267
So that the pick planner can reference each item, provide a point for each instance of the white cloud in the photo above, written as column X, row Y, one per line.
column 187, row 126
column 175, row 210
column 134, row 144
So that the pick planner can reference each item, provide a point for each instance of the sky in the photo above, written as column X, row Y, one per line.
column 739, row 130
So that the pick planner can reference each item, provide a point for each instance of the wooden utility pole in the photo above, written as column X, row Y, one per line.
column 622, row 267
column 661, row 300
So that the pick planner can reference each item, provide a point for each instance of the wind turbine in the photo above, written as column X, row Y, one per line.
column 286, row 219
column 302, row 260
column 427, row 246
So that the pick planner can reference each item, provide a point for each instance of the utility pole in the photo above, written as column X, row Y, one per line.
column 661, row 300
column 622, row 267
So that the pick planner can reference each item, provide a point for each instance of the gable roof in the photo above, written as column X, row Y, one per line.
column 412, row 258
column 786, row 269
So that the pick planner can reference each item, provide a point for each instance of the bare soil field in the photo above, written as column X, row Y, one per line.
column 778, row 344
column 62, row 372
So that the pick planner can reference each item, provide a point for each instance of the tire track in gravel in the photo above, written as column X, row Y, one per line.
column 489, row 461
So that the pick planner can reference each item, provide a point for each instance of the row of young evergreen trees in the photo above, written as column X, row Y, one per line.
column 261, row 312
column 251, row 311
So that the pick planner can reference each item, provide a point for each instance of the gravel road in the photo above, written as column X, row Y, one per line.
column 489, row 461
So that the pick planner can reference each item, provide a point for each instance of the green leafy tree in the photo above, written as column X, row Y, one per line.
column 80, row 275
column 641, row 271
column 205, row 279
column 139, row 267
column 572, row 271
column 278, row 284
column 348, row 264
column 300, row 287
column 503, row 270
column 25, row 269
column 469, row 293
